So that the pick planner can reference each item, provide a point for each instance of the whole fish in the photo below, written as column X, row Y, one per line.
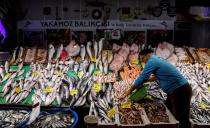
column 88, row 47
column 91, row 68
column 36, row 109
column 51, row 51
column 14, row 56
column 6, row 66
column 58, row 53
column 95, row 46
column 1, row 73
column 100, row 46
column 82, row 52
column 20, row 55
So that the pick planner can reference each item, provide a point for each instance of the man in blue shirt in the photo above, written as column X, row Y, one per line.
column 171, row 82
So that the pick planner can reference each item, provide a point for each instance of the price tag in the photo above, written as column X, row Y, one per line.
column 71, row 73
column 209, row 88
column 93, row 59
column 134, row 61
column 59, row 73
column 35, row 73
column 80, row 74
column 203, row 106
column 111, row 113
column 97, row 87
column 208, row 65
column 48, row 89
column 97, row 72
column 73, row 92
column 8, row 75
column 18, row 89
column 126, row 105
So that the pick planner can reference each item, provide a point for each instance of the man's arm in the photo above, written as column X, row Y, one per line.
column 144, row 76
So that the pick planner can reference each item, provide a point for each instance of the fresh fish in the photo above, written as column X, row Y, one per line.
column 101, row 66
column 88, row 47
column 51, row 51
column 6, row 66
column 20, row 66
column 82, row 52
column 1, row 73
column 91, row 68
column 14, row 56
column 36, row 109
column 95, row 49
column 59, row 51
column 20, row 55
column 100, row 46
column 76, row 66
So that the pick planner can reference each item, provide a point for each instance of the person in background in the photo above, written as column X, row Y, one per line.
column 171, row 81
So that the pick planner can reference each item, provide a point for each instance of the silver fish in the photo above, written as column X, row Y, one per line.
column 59, row 51
column 88, row 47
column 6, row 66
column 100, row 46
column 82, row 52
column 51, row 51
column 91, row 68
column 96, row 49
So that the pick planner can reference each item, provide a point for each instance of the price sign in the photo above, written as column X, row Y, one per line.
column 111, row 113
column 97, row 72
column 208, row 65
column 59, row 73
column 126, row 105
column 8, row 75
column 97, row 87
column 80, row 74
column 73, row 92
column 203, row 106
column 48, row 89
column 18, row 89
column 134, row 61
column 93, row 59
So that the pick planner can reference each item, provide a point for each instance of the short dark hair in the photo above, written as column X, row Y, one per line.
column 146, row 51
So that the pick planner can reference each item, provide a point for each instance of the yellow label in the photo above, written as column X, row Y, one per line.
column 48, row 89
column 35, row 73
column 18, row 89
column 203, row 106
column 126, row 105
column 73, row 92
column 96, row 87
column 80, row 74
column 8, row 75
column 111, row 113
column 208, row 65
column 134, row 61
column 209, row 88
column 93, row 59
column 97, row 72
column 59, row 73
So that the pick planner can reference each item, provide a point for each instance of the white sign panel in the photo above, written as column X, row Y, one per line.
column 93, row 24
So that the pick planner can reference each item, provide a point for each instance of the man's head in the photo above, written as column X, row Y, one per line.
column 145, row 54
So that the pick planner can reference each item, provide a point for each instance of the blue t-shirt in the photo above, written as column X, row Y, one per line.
column 168, row 76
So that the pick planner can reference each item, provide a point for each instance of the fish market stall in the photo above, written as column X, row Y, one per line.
column 95, row 77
